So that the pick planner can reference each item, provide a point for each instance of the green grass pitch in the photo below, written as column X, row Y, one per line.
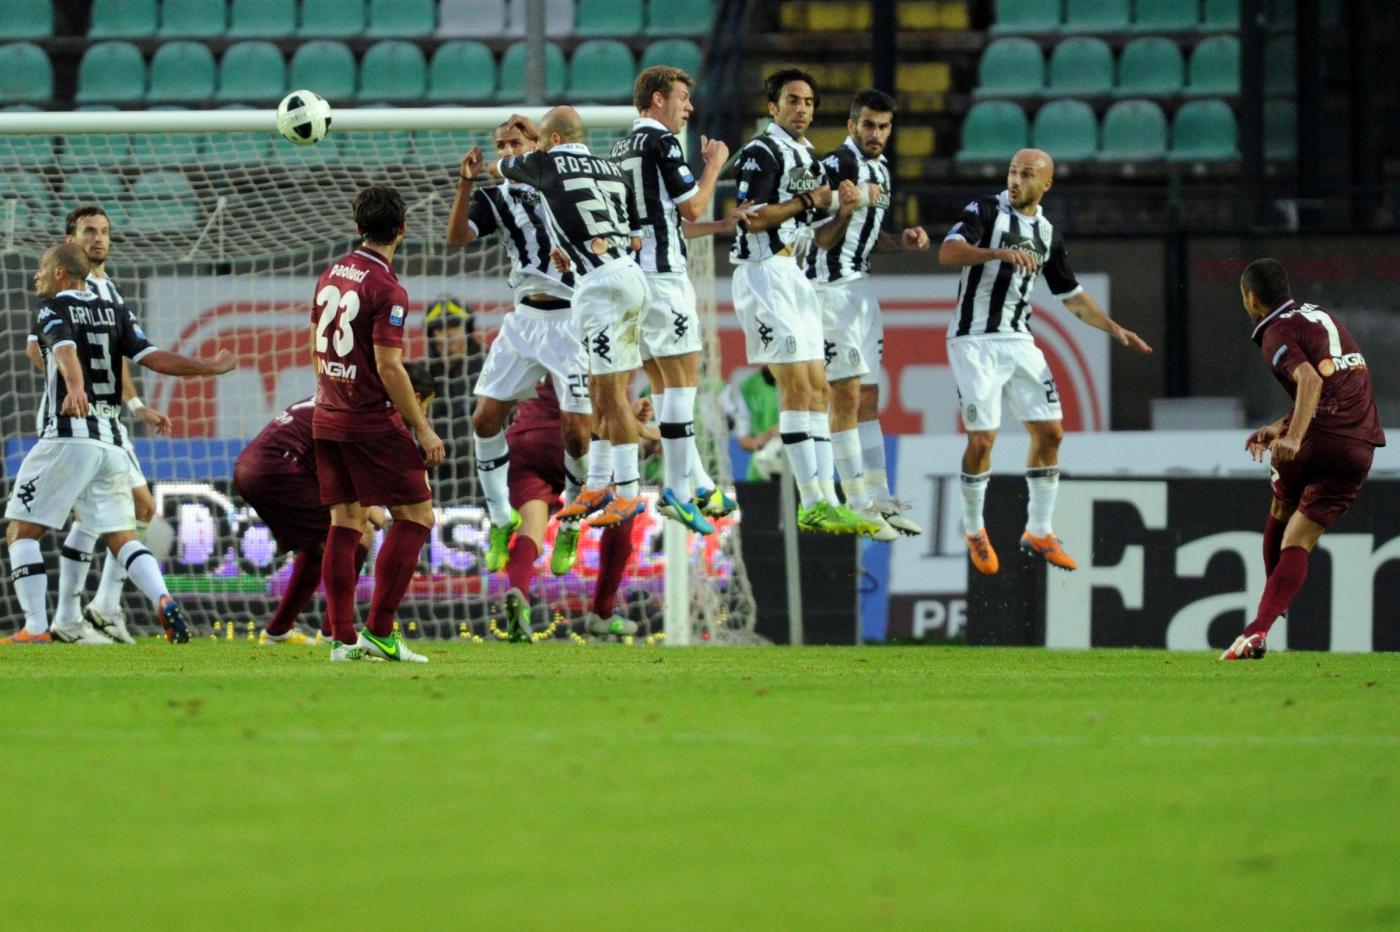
column 227, row 785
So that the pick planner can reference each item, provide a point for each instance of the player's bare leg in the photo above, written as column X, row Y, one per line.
column 493, row 469
column 673, row 381
column 872, row 453
column 1300, row 536
column 610, row 398
column 524, row 550
column 846, row 453
column 1043, row 483
column 393, row 571
column 976, row 471
column 597, row 488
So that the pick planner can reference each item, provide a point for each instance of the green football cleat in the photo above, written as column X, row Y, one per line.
column 499, row 550
column 833, row 519
column 389, row 648
column 565, row 553
column 518, row 617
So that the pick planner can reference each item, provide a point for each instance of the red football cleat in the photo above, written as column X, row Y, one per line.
column 1246, row 647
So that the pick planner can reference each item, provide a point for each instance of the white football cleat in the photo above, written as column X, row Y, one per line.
column 1246, row 647
column 113, row 626
column 885, row 530
column 893, row 509
column 78, row 632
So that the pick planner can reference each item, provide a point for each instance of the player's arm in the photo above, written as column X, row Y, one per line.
column 521, row 168
column 960, row 249
column 643, row 410
column 1309, row 381
column 758, row 184
column 168, row 363
column 1088, row 310
column 829, row 234
column 460, row 230
column 698, row 228
column 389, row 361
column 32, row 352
column 148, row 415
column 910, row 239
column 714, row 153
column 75, row 403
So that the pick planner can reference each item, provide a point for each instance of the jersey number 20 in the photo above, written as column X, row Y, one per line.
column 331, row 301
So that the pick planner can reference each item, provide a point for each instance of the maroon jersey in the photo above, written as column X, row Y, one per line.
column 538, row 413
column 1298, row 333
column 285, row 444
column 359, row 304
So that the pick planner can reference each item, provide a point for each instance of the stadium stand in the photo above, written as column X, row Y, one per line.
column 331, row 19
column 991, row 129
column 111, row 71
column 182, row 71
column 601, row 70
column 192, row 18
column 326, row 65
column 25, row 73
column 123, row 19
column 1220, row 16
column 1010, row 68
column 462, row 70
column 1166, row 15
column 1214, row 67
column 253, row 70
column 160, row 149
column 162, row 202
column 679, row 17
column 558, row 18
column 471, row 18
column 678, row 53
column 401, row 18
column 261, row 19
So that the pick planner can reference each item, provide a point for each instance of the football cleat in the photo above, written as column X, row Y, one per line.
column 1050, row 547
column 290, row 636
column 114, row 625
column 618, row 511
column 518, row 617
column 172, row 619
column 584, row 504
column 687, row 513
column 565, row 553
column 893, row 510
column 834, row 519
column 344, row 653
column 713, row 503
column 884, row 531
column 498, row 550
column 980, row 552
column 616, row 626
column 389, row 648
column 78, row 632
column 1246, row 647
column 24, row 637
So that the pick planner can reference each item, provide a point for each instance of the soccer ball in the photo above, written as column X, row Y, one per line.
column 769, row 460
column 303, row 117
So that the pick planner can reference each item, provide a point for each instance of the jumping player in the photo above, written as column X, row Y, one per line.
column 365, row 454
column 1321, row 451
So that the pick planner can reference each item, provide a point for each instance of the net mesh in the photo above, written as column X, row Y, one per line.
column 217, row 242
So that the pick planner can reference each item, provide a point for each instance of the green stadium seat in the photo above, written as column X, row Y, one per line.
column 162, row 203
column 992, row 131
column 181, row 71
column 678, row 53
column 1026, row 16
column 92, row 187
column 111, row 71
column 193, row 18
column 462, row 70
column 27, row 19
column 483, row 18
column 1080, row 66
column 401, row 18
column 1280, row 129
column 1220, row 16
column 679, row 17
column 1133, row 130
column 332, row 19
column 229, row 149
column 88, row 150
column 1166, row 15
column 1148, row 66
column 375, row 149
column 1097, row 16
column 512, row 74
column 1009, row 68
column 261, row 19
column 160, row 149
column 1204, row 130
column 608, row 18
column 1067, row 129
column 324, row 66
column 27, row 198
column 25, row 73
column 123, row 19
column 601, row 70
column 29, row 150
column 252, row 71
column 393, row 70
column 1214, row 67
column 1280, row 66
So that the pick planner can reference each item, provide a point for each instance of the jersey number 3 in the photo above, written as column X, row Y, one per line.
column 331, row 301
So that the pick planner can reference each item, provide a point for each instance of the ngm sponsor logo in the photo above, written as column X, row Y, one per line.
column 338, row 371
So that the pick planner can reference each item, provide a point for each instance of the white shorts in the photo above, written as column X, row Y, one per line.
column 530, row 345
column 89, row 477
column 607, row 314
column 138, row 478
column 988, row 367
column 853, row 331
column 670, row 324
column 778, row 309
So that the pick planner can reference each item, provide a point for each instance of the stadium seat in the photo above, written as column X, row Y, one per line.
column 512, row 78
column 1150, row 66
column 111, row 71
column 324, row 66
column 192, row 18
column 462, row 70
column 1082, row 66
column 1280, row 66
column 602, row 69
column 36, row 205
column 181, row 71
column 122, row 19
column 332, row 19
column 25, row 73
column 608, row 18
column 993, row 130
column 1214, row 67
column 252, row 71
column 162, row 202
column 160, row 149
column 1026, row 16
column 261, row 19
column 1133, row 130
column 1010, row 67
column 376, row 149
column 393, row 70
column 916, row 142
column 1204, row 130
column 679, row 17
column 92, row 186
column 29, row 149
column 230, row 149
column 1067, row 129
column 1097, row 16
column 558, row 18
column 1280, row 129
column 401, row 18
column 27, row 19
column 1166, row 15
column 1220, row 16
column 482, row 18
column 678, row 53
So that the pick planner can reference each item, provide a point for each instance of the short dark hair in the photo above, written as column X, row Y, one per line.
column 71, row 258
column 1267, row 281
column 658, row 79
column 871, row 99
column 774, row 83
column 70, row 226
column 420, row 378
column 379, row 213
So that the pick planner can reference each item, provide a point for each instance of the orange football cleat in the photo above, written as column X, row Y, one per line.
column 1050, row 547
column 618, row 511
column 24, row 637
column 585, row 503
column 980, row 552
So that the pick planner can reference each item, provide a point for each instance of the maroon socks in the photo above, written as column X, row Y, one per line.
column 361, row 555
column 1284, row 582
column 1273, row 540
column 393, row 570
column 520, row 569
column 614, row 550
column 338, row 570
column 301, row 586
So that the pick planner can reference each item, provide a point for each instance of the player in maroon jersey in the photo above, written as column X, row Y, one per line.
column 536, row 481
column 276, row 475
column 365, row 408
column 1321, row 452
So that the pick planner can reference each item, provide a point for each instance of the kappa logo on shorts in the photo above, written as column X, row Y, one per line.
column 765, row 334
column 829, row 351
column 680, row 324
column 602, row 346
column 27, row 491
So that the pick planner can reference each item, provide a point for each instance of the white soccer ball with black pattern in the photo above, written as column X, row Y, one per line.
column 303, row 117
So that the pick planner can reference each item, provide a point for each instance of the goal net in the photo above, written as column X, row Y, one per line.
column 220, row 228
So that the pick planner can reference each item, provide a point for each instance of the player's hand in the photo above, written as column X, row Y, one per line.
column 224, row 361
column 75, row 403
column 848, row 196
column 642, row 409
column 377, row 516
column 713, row 151
column 525, row 125
column 493, row 170
column 914, row 239
column 1018, row 258
column 155, row 420
column 560, row 260
column 732, row 217
column 1258, row 443
column 431, row 444
column 472, row 162
column 1285, row 448
column 821, row 197
column 1128, row 338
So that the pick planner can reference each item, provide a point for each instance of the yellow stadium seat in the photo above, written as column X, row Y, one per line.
column 826, row 138
column 910, row 169
column 920, row 15
column 956, row 17
column 933, row 77
column 792, row 17
column 915, row 141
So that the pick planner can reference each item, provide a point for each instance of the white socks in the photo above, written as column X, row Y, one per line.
column 493, row 469
column 143, row 569
column 820, row 429
column 600, row 464
column 575, row 469
column 1043, row 484
column 624, row 458
column 31, row 584
column 108, row 599
column 676, row 421
column 845, row 449
column 802, row 455
column 74, row 561
column 974, row 493
column 872, row 454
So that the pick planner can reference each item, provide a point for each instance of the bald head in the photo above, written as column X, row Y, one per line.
column 1031, row 173
column 561, row 125
column 1038, row 159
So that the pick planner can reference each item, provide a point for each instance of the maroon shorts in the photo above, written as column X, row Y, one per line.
column 386, row 470
column 288, row 502
column 1326, row 476
column 536, row 467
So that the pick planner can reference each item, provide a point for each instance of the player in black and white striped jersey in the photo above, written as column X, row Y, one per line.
column 1001, row 243
column 854, row 333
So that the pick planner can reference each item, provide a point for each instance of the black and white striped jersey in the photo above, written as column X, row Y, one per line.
column 651, row 154
column 103, row 335
column 771, row 169
column 514, row 211
column 994, row 298
column 851, row 258
column 589, row 200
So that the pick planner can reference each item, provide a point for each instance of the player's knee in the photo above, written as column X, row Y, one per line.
column 418, row 513
column 576, row 436
column 1049, row 434
column 487, row 419
column 979, row 443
